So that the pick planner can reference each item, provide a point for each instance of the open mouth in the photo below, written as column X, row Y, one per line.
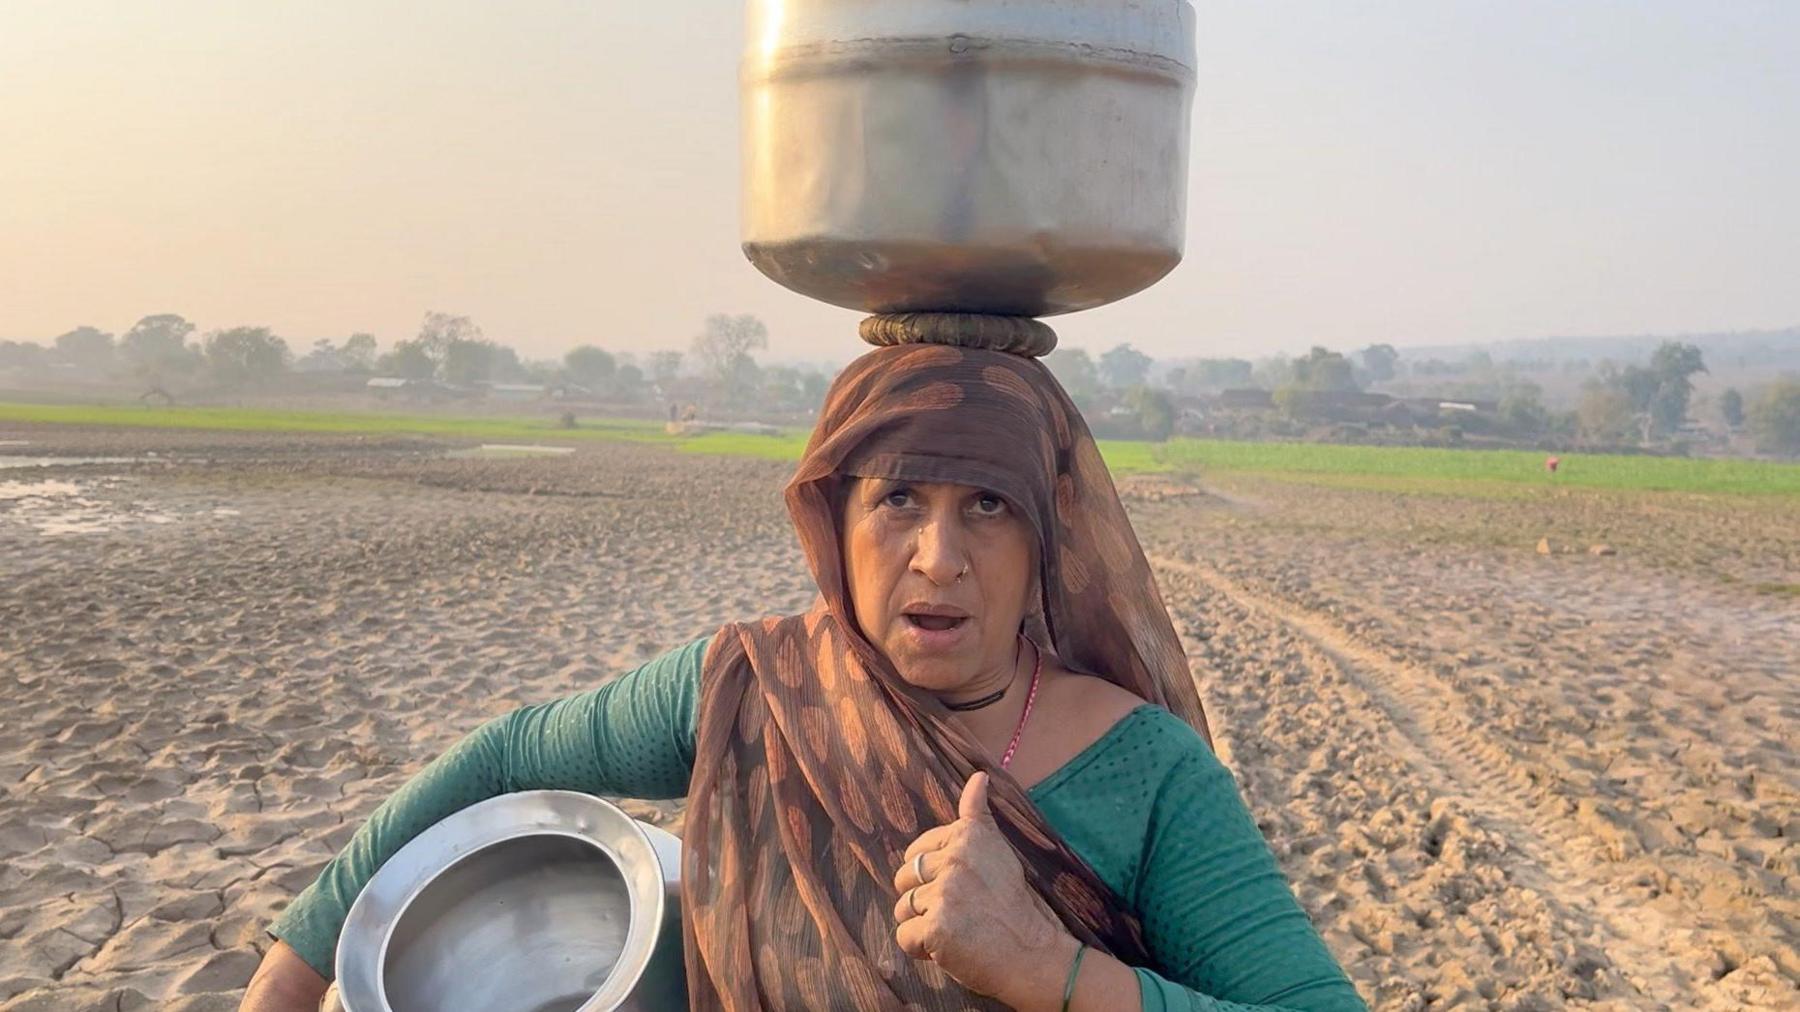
column 935, row 623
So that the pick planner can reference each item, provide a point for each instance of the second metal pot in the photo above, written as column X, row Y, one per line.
column 540, row 901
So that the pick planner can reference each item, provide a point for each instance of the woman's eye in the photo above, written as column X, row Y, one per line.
column 990, row 505
column 899, row 499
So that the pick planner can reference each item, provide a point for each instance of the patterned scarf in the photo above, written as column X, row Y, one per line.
column 817, row 764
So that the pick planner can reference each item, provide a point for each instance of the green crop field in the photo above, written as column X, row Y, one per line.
column 1429, row 469
column 254, row 420
column 1414, row 469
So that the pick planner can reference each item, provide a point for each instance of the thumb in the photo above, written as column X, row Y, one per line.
column 974, row 803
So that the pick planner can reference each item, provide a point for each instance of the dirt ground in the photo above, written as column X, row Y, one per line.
column 1497, row 778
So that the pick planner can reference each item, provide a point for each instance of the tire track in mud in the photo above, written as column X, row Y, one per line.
column 1430, row 729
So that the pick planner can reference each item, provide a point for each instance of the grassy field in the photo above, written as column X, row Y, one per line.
column 1414, row 469
column 254, row 420
column 1428, row 469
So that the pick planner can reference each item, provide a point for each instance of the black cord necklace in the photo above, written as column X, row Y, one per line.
column 991, row 698
column 976, row 704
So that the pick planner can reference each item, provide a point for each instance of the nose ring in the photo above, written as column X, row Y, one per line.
column 965, row 572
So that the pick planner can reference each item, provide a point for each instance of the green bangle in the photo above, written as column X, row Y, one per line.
column 1074, row 972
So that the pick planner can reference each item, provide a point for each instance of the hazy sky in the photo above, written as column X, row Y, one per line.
column 565, row 172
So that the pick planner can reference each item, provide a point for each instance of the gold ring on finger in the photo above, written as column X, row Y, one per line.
column 912, row 902
column 919, row 867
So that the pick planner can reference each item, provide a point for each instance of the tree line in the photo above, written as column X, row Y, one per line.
column 166, row 352
column 1122, row 390
column 1647, row 404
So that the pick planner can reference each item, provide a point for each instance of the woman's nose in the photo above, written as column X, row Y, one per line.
column 939, row 554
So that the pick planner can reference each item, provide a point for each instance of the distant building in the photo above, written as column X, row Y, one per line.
column 391, row 387
column 515, row 391
column 1436, row 405
column 1247, row 399
column 566, row 391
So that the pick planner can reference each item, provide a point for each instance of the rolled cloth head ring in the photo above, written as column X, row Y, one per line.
column 1020, row 335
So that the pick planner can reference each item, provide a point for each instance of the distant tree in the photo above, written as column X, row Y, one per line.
column 1660, row 391
column 1124, row 367
column 323, row 357
column 1379, row 361
column 1605, row 414
column 1637, row 383
column 407, row 360
column 1673, row 365
column 628, row 382
column 1731, row 409
column 1075, row 370
column 813, row 387
column 86, row 347
column 1155, row 412
column 440, row 330
column 156, row 347
column 724, row 348
column 358, row 352
column 504, row 365
column 1221, row 373
column 1522, row 408
column 467, row 361
column 1320, row 369
column 244, row 356
column 781, row 387
column 544, row 371
column 1775, row 417
column 591, row 367
column 1290, row 399
column 664, row 367
column 24, row 356
column 1273, row 373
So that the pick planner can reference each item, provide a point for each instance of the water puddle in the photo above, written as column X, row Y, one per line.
column 79, row 505
column 56, row 507
column 515, row 450
column 15, row 463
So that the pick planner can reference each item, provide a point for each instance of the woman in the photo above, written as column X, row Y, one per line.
column 974, row 774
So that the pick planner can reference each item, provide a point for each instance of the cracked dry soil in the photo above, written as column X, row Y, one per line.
column 1497, row 780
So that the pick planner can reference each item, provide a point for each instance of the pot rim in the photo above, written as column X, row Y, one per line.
column 460, row 836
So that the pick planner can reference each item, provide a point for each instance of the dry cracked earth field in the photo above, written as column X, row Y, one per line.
column 1496, row 778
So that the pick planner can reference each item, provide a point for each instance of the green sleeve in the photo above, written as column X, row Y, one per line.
column 1224, row 928
column 632, row 737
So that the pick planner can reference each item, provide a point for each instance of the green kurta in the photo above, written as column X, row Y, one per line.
column 1148, row 806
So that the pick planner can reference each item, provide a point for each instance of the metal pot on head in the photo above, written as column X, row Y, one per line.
column 1007, row 157
column 540, row 901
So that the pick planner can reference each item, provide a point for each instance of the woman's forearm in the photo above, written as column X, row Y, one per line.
column 469, row 771
column 632, row 736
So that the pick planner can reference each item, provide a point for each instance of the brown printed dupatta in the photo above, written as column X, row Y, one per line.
column 816, row 764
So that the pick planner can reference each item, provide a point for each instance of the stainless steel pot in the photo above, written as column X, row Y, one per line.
column 541, row 901
column 1019, row 157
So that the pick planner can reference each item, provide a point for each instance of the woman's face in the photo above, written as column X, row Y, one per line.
column 940, row 578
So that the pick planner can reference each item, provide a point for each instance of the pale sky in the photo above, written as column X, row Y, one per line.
column 1425, row 171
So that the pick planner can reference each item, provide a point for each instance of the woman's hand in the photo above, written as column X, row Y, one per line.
column 284, row 983
column 973, row 914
